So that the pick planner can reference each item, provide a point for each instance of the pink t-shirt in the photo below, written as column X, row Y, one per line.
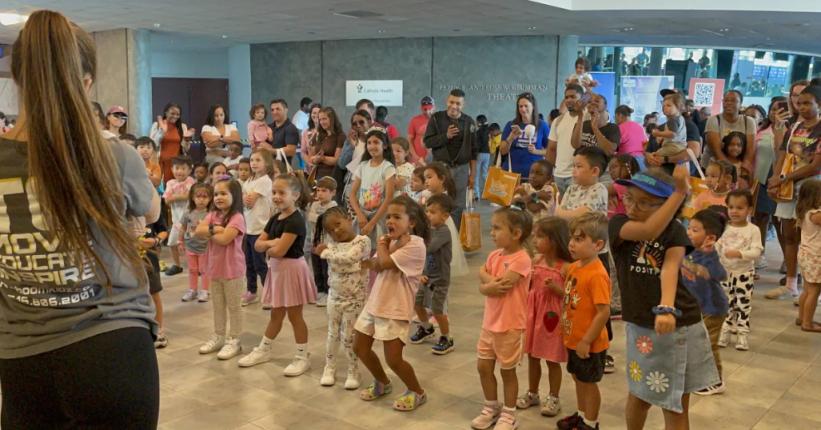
column 615, row 208
column 394, row 292
column 632, row 138
column 257, row 133
column 508, row 311
column 417, row 127
column 226, row 262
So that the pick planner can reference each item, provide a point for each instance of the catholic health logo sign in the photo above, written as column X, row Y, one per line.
column 381, row 93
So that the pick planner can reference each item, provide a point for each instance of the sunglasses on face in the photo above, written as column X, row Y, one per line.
column 120, row 115
column 359, row 122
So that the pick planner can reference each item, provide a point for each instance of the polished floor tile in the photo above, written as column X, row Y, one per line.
column 771, row 387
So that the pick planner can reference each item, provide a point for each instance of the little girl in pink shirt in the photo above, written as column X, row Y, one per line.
column 258, row 131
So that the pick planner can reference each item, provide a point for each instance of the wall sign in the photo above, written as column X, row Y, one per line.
column 497, row 92
column 381, row 93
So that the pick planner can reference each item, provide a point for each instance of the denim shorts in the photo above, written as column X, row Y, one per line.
column 660, row 369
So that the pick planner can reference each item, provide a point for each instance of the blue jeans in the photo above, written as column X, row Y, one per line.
column 254, row 263
column 482, row 165
column 460, row 177
column 563, row 184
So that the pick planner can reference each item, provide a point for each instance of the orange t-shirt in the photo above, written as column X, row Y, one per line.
column 508, row 311
column 152, row 168
column 586, row 287
column 707, row 199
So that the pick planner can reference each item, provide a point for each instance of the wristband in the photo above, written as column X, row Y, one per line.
column 666, row 310
column 211, row 230
column 666, row 160
column 534, row 197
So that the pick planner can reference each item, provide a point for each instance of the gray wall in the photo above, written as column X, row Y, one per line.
column 491, row 71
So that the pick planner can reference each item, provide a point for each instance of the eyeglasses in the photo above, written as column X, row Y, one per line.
column 119, row 115
column 643, row 206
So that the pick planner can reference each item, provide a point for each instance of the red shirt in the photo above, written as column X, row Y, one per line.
column 417, row 127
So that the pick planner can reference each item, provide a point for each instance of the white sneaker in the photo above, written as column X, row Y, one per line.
column 322, row 300
column 354, row 378
column 724, row 338
column 328, row 377
column 711, row 390
column 231, row 349
column 189, row 295
column 213, row 345
column 741, row 342
column 266, row 306
column 299, row 366
column 762, row 263
column 205, row 296
column 257, row 356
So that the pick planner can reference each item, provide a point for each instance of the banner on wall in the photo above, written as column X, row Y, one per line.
column 708, row 92
column 607, row 89
column 381, row 93
column 641, row 93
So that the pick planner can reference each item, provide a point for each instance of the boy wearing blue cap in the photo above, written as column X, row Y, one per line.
column 668, row 351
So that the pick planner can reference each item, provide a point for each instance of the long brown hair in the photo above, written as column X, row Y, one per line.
column 336, row 127
column 809, row 198
column 72, row 164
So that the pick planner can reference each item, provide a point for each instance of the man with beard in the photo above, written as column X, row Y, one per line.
column 560, row 143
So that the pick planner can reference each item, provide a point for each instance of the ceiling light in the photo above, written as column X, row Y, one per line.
column 157, row 25
column 224, row 36
column 531, row 28
column 381, row 31
column 12, row 18
column 628, row 29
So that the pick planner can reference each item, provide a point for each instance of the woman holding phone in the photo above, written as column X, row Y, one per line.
column 523, row 146
column 327, row 146
column 306, row 143
column 765, row 163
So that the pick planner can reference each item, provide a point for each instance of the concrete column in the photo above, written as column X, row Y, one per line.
column 124, row 75
column 239, row 86
column 656, row 57
column 565, row 64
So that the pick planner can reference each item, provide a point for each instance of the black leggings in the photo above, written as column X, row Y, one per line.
column 109, row 381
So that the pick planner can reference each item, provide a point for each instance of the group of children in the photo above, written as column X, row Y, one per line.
column 387, row 260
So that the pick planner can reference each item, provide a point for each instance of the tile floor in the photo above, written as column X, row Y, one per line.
column 771, row 387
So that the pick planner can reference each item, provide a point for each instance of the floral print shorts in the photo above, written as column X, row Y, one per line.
column 660, row 369
column 810, row 265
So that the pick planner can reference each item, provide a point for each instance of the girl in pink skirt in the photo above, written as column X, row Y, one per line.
column 543, row 339
column 289, row 284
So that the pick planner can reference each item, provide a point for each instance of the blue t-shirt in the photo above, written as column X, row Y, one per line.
column 522, row 158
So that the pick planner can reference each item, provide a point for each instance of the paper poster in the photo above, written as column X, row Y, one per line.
column 707, row 92
column 641, row 93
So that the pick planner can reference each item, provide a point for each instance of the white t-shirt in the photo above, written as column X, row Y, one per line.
column 258, row 216
column 301, row 120
column 562, row 133
column 230, row 162
column 746, row 240
column 213, row 130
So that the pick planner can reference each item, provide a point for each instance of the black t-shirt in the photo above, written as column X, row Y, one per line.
column 151, row 232
column 482, row 136
column 693, row 135
column 610, row 131
column 294, row 224
column 639, row 272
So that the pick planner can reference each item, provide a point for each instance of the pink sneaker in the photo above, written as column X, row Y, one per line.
column 507, row 421
column 488, row 417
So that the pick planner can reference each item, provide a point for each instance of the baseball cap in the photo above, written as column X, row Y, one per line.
column 427, row 102
column 117, row 109
column 667, row 91
column 649, row 184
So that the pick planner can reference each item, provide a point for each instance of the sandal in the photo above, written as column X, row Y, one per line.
column 375, row 391
column 410, row 401
column 814, row 328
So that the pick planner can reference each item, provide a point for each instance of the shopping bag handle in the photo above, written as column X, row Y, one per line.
column 469, row 200
column 695, row 161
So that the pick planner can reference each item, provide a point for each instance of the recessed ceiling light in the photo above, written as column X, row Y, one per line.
column 381, row 31
column 224, row 36
column 628, row 29
column 531, row 28
column 12, row 18
column 157, row 25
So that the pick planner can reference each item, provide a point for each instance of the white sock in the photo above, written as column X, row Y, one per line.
column 589, row 423
column 792, row 284
column 492, row 403
column 511, row 411
column 427, row 325
column 302, row 350
column 265, row 345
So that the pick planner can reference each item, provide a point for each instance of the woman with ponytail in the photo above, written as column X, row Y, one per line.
column 76, row 321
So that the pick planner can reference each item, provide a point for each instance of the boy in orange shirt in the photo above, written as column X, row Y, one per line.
column 146, row 147
column 586, row 311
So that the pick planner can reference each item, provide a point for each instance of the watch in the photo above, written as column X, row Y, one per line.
column 666, row 160
column 211, row 230
column 534, row 197
column 783, row 177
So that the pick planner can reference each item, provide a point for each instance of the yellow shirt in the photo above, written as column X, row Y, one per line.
column 494, row 143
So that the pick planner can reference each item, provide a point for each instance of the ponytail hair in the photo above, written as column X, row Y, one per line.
column 297, row 184
column 72, row 165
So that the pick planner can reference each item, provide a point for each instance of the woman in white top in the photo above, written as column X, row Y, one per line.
column 217, row 135
column 309, row 135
